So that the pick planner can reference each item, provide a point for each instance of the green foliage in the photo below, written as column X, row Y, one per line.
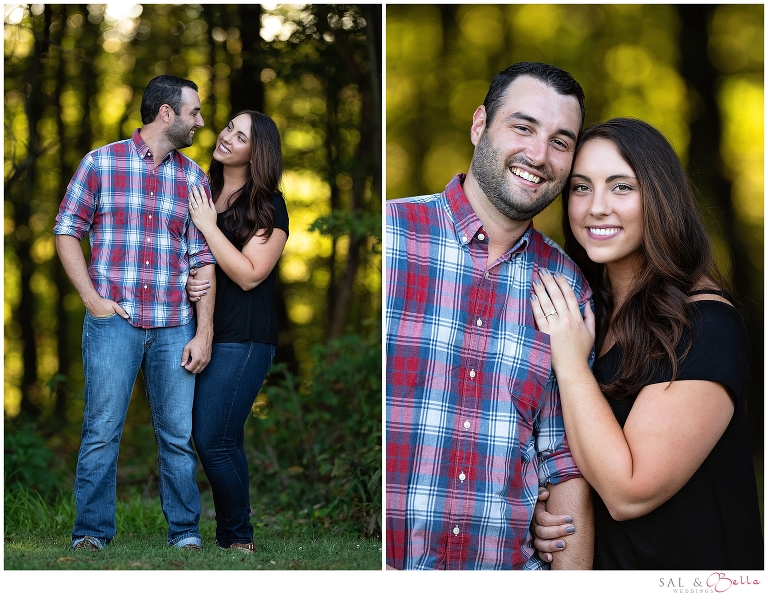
column 339, row 223
column 74, row 77
column 326, row 430
column 28, row 463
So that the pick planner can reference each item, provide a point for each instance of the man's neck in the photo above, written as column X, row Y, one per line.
column 503, row 232
column 156, row 141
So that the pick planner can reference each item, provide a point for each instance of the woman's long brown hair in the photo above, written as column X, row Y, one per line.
column 675, row 255
column 251, row 209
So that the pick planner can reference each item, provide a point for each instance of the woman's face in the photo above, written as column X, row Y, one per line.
column 605, row 209
column 233, row 147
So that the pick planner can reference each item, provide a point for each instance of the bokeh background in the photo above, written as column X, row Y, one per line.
column 693, row 71
column 74, row 76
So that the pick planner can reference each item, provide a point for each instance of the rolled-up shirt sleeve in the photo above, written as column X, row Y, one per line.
column 556, row 463
column 80, row 202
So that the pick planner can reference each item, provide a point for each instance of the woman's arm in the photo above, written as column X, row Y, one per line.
column 259, row 256
column 670, row 430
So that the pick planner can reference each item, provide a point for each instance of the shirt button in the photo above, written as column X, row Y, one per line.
column 479, row 322
column 147, row 262
column 471, row 373
column 480, row 237
column 462, row 477
column 456, row 530
column 150, row 216
column 145, row 287
column 466, row 423
column 486, row 273
column 147, row 239
column 464, row 238
column 151, row 193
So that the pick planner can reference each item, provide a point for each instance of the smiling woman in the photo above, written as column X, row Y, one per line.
column 246, row 226
column 605, row 209
column 660, row 429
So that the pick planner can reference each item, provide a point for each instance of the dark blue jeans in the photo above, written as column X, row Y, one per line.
column 224, row 395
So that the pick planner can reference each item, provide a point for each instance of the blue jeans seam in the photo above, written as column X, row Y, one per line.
column 229, row 416
column 153, row 416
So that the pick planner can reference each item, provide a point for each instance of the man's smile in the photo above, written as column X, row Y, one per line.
column 525, row 175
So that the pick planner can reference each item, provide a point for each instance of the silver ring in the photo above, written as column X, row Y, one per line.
column 551, row 312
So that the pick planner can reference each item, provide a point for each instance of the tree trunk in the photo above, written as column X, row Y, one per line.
column 212, row 15
column 331, row 157
column 31, row 393
column 60, row 280
column 246, row 87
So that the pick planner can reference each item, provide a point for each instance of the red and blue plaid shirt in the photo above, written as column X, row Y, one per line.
column 474, row 423
column 143, row 242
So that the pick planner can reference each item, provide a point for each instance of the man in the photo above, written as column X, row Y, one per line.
column 474, row 423
column 131, row 197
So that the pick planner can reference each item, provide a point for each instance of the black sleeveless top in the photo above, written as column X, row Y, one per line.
column 713, row 522
column 241, row 316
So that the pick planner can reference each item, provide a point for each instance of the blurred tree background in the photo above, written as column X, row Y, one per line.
column 693, row 71
column 74, row 76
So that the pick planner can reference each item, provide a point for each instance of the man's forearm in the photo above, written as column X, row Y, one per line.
column 573, row 497
column 204, row 308
column 73, row 261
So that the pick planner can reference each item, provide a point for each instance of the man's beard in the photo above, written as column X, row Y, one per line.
column 490, row 172
column 178, row 134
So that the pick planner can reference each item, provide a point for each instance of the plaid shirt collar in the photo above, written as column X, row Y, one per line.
column 143, row 150
column 468, row 224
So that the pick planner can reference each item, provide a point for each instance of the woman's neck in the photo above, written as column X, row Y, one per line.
column 622, row 277
column 234, row 177
column 233, row 180
column 621, row 280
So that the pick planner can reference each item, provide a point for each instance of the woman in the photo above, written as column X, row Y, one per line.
column 659, row 430
column 246, row 227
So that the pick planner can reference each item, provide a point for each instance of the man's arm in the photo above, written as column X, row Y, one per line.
column 73, row 261
column 573, row 498
column 197, row 353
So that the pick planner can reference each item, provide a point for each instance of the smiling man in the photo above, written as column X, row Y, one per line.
column 131, row 199
column 474, row 424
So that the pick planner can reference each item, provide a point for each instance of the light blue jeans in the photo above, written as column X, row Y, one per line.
column 113, row 353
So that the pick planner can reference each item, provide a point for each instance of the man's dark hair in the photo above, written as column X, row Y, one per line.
column 560, row 81
column 163, row 89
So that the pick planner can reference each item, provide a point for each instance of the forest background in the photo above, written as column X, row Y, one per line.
column 694, row 71
column 74, row 76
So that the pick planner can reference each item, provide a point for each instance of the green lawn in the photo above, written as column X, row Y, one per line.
column 30, row 551
column 37, row 536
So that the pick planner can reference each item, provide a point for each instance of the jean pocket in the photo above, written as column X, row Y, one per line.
column 104, row 318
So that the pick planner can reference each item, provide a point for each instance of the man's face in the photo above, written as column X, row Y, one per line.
column 182, row 129
column 522, row 159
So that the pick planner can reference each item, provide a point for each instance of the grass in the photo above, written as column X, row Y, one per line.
column 37, row 537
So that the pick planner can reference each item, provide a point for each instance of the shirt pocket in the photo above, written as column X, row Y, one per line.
column 531, row 362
